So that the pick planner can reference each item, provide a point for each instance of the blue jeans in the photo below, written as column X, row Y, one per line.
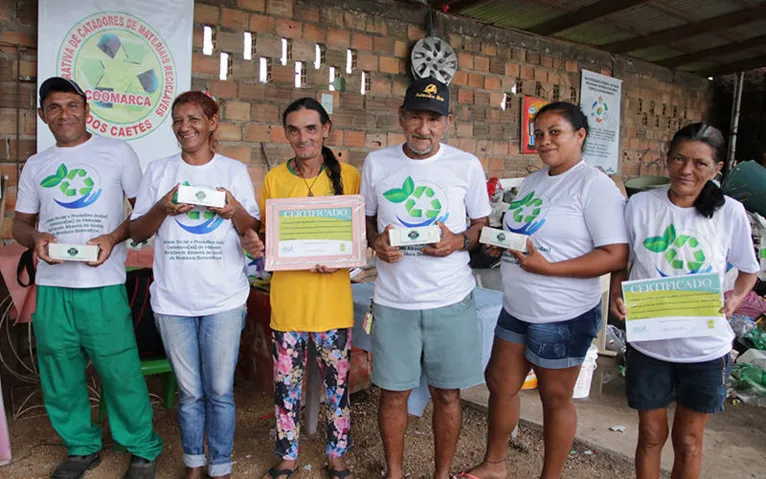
column 203, row 353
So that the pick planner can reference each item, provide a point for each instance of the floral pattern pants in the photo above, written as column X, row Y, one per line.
column 290, row 351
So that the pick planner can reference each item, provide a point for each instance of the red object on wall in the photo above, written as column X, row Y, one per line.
column 255, row 365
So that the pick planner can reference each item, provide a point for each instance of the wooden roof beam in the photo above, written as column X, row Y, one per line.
column 583, row 15
column 729, row 48
column 710, row 25
column 736, row 67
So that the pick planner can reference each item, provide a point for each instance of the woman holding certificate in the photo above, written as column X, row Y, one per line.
column 573, row 216
column 690, row 228
column 310, row 305
column 198, row 204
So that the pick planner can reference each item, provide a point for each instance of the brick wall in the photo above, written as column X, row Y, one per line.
column 381, row 32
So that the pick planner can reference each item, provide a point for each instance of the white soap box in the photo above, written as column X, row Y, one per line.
column 414, row 236
column 504, row 239
column 201, row 196
column 73, row 252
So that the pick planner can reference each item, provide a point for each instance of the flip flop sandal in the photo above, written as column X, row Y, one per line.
column 274, row 473
column 468, row 475
column 336, row 474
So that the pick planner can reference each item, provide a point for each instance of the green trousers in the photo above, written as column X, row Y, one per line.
column 74, row 325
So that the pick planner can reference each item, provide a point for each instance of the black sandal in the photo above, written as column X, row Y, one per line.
column 336, row 474
column 287, row 473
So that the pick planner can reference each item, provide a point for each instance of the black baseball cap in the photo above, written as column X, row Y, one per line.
column 427, row 94
column 59, row 84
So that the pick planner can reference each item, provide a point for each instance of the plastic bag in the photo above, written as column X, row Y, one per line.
column 752, row 305
column 750, row 384
column 742, row 325
column 758, row 337
column 615, row 340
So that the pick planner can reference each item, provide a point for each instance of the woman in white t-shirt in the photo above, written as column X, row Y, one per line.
column 688, row 228
column 200, row 290
column 573, row 214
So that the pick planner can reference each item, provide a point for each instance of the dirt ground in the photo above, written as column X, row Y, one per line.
column 37, row 449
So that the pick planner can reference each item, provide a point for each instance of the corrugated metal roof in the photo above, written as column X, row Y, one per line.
column 638, row 22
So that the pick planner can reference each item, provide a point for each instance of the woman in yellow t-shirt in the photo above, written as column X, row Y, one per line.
column 314, row 304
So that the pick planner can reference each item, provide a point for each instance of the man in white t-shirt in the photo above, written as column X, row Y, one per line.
column 73, row 193
column 424, row 310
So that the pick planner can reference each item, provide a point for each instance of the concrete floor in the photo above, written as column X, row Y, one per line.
column 735, row 441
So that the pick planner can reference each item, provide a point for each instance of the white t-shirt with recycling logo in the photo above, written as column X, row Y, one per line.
column 567, row 216
column 700, row 245
column 199, row 265
column 79, row 194
column 404, row 192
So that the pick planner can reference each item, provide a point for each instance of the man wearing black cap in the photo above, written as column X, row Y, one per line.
column 424, row 311
column 73, row 193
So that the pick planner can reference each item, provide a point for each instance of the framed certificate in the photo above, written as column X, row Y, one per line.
column 674, row 307
column 304, row 232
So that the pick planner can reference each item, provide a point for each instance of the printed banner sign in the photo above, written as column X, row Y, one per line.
column 132, row 59
column 600, row 101
column 529, row 107
column 674, row 307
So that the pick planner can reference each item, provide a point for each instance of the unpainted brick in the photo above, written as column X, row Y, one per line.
column 289, row 28
column 337, row 37
column 253, row 5
column 280, row 8
column 207, row 14
column 261, row 24
column 235, row 19
column 360, row 41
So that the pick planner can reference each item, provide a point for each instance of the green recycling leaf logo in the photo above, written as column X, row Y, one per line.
column 525, row 215
column 683, row 253
column 422, row 205
column 73, row 187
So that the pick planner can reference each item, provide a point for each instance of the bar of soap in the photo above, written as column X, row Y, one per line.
column 414, row 236
column 73, row 252
column 503, row 239
column 201, row 196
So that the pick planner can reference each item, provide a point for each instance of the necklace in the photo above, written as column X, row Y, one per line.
column 311, row 193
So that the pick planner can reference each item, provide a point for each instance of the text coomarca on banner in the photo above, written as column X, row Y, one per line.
column 131, row 64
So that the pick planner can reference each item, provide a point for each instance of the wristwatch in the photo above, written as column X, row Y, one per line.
column 466, row 241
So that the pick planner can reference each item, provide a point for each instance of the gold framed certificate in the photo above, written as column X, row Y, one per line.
column 304, row 232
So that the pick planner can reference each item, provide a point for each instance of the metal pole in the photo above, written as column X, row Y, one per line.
column 735, row 121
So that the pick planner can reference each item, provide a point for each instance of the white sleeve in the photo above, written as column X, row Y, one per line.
column 131, row 172
column 147, row 194
column 629, row 211
column 244, row 192
column 368, row 190
column 477, row 199
column 604, row 210
column 27, row 196
column 741, row 252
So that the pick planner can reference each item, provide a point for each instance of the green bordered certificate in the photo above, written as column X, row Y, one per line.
column 304, row 232
column 676, row 307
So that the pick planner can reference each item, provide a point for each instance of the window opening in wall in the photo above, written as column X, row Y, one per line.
column 675, row 111
column 640, row 105
column 519, row 87
column 685, row 112
column 573, row 96
column 287, row 51
column 651, row 107
column 664, row 109
column 645, row 120
column 208, row 40
column 319, row 56
column 226, row 66
column 538, row 89
column 331, row 79
column 556, row 92
column 264, row 70
column 249, row 45
column 351, row 61
column 300, row 74
column 504, row 103
column 657, row 122
column 670, row 123
column 366, row 82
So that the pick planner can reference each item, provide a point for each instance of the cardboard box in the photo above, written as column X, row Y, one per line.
column 201, row 196
column 73, row 252
column 414, row 236
column 503, row 239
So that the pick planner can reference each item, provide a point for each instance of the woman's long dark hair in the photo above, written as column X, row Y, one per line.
column 330, row 162
column 711, row 197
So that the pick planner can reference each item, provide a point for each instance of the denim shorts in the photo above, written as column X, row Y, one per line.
column 558, row 345
column 444, row 343
column 654, row 384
